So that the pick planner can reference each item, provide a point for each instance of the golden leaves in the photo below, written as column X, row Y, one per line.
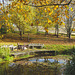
column 18, row 7
column 0, row 4
column 73, row 19
column 51, row 13
column 46, row 29
column 67, row 16
column 56, row 7
column 66, row 11
column 45, row 10
column 63, row 23
column 65, row 6
column 3, row 17
column 37, row 22
column 71, row 9
column 61, row 7
column 25, row 15
column 47, row 2
column 73, row 29
column 49, row 21
column 0, row 26
column 48, row 9
column 21, row 6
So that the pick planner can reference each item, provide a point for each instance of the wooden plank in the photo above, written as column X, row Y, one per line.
column 36, row 45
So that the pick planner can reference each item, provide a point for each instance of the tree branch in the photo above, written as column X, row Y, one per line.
column 50, row 4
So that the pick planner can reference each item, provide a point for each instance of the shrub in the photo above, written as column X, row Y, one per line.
column 8, row 58
column 4, row 52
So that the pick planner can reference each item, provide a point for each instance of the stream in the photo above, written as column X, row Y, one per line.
column 34, row 66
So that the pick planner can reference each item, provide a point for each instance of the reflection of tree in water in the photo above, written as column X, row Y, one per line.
column 70, row 67
column 33, row 69
column 44, row 67
column 3, row 69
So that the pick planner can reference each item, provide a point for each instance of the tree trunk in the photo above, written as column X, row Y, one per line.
column 69, row 35
column 46, row 31
column 57, row 33
column 57, row 30
column 28, row 37
column 20, row 35
column 37, row 30
column 23, row 32
column 3, row 3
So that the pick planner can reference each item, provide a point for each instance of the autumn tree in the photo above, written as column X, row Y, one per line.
column 20, row 15
column 68, row 15
column 69, row 20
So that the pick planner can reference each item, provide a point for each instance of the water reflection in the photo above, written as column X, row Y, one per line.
column 70, row 67
column 35, row 66
column 60, row 61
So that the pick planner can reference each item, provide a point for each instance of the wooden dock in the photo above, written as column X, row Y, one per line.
column 19, row 54
column 40, row 53
column 34, row 45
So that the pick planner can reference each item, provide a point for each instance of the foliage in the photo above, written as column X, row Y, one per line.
column 23, row 14
column 5, row 54
column 8, row 58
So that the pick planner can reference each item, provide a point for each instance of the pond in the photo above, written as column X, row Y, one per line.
column 34, row 66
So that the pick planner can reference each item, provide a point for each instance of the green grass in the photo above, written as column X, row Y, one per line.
column 72, row 36
column 25, row 56
column 61, row 49
column 8, row 43
column 58, row 47
column 8, row 58
column 4, row 52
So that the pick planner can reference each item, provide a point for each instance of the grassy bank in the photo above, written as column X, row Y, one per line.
column 60, row 50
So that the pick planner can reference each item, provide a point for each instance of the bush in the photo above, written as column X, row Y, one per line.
column 8, row 58
column 4, row 52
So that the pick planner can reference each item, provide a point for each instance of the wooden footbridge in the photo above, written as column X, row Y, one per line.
column 38, row 53
column 34, row 45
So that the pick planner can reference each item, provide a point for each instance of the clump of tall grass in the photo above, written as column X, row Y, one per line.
column 5, row 54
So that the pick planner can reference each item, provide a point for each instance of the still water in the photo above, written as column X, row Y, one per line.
column 34, row 66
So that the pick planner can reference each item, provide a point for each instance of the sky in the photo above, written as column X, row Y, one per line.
column 5, row 2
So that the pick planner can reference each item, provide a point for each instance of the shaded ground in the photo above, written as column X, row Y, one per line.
column 41, row 38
